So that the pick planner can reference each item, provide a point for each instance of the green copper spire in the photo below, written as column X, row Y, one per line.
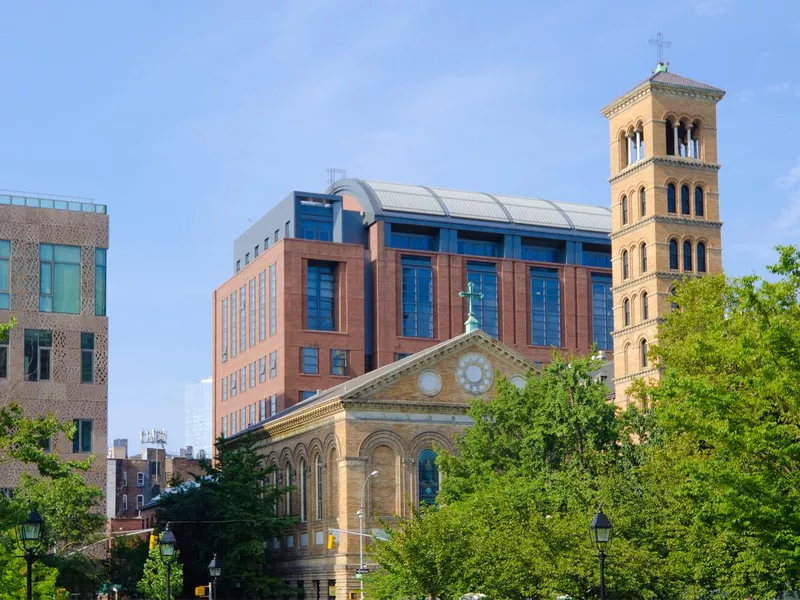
column 471, row 324
column 660, row 68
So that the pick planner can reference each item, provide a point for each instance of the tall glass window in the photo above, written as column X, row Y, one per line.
column 288, row 483
column 624, row 210
column 685, row 204
column 311, row 361
column 338, row 362
column 262, row 369
column 303, row 473
column 701, row 257
column 673, row 254
column 273, row 299
column 262, row 305
column 645, row 306
column 273, row 404
column 100, row 281
column 224, row 330
column 316, row 221
column 671, row 202
column 38, row 354
column 233, row 384
column 242, row 380
column 224, row 389
column 82, row 441
column 321, row 300
column 602, row 312
column 234, row 345
column 625, row 265
column 242, row 318
column 545, row 308
column 699, row 205
column 251, row 374
column 251, row 289
column 687, row 256
column 3, row 354
column 626, row 312
column 484, row 278
column 5, row 255
column 87, row 357
column 417, row 296
column 273, row 364
column 318, row 481
column 60, row 279
column 428, row 477
column 643, row 255
column 642, row 203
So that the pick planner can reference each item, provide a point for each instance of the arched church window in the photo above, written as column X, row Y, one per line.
column 428, row 477
column 624, row 210
column 318, row 474
column 673, row 254
column 687, row 256
column 642, row 202
column 686, row 207
column 303, row 490
column 643, row 353
column 701, row 257
column 671, row 206
column 288, row 483
column 626, row 312
column 645, row 307
column 698, row 202
column 625, row 266
column 643, row 252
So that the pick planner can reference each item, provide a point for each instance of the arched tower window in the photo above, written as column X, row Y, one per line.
column 671, row 137
column 695, row 140
column 642, row 203
column 673, row 254
column 699, row 209
column 428, row 477
column 645, row 307
column 625, row 355
column 639, row 142
column 671, row 206
column 625, row 266
column 626, row 312
column 643, row 353
column 701, row 257
column 672, row 304
column 687, row 256
column 624, row 150
column 685, row 204
column 643, row 252
column 625, row 210
column 303, row 472
column 318, row 481
column 288, row 483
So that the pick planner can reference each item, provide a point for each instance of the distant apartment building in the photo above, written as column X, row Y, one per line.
column 198, row 426
column 133, row 481
column 326, row 287
column 53, row 282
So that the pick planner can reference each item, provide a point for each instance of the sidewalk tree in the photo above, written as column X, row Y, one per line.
column 153, row 583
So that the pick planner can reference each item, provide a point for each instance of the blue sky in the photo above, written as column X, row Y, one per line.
column 187, row 118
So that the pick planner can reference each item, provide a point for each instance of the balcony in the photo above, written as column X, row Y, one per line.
column 68, row 203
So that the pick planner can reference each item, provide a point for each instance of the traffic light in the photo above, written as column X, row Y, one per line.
column 153, row 540
column 331, row 541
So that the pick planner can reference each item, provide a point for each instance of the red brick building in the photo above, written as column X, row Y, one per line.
column 329, row 286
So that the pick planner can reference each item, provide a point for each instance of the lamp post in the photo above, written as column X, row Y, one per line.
column 29, row 533
column 361, row 530
column 214, row 571
column 166, row 546
column 601, row 535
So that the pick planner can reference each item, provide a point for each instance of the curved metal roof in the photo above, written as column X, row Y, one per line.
column 382, row 198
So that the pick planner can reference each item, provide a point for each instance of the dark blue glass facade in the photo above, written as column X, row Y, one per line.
column 479, row 247
column 596, row 259
column 417, row 296
column 413, row 241
column 484, row 278
column 545, row 308
column 541, row 253
column 602, row 312
column 321, row 303
column 316, row 222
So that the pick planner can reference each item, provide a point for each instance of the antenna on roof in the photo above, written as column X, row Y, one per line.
column 335, row 175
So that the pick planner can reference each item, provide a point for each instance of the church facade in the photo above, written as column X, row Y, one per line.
column 665, row 225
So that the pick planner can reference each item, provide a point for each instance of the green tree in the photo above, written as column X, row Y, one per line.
column 125, row 563
column 230, row 511
column 154, row 578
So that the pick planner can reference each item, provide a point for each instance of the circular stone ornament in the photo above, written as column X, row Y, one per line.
column 474, row 374
column 429, row 383
column 518, row 381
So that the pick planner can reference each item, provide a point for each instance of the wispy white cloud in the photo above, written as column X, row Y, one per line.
column 712, row 8
column 789, row 218
column 784, row 86
column 746, row 95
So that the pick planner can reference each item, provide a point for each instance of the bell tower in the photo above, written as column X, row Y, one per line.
column 664, row 207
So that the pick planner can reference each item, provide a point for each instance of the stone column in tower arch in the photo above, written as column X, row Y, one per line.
column 675, row 126
column 639, row 153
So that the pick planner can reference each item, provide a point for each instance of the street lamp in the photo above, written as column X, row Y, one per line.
column 166, row 546
column 361, row 531
column 214, row 571
column 29, row 533
column 601, row 535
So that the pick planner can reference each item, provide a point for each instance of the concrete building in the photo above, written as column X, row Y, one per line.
column 329, row 286
column 665, row 207
column 53, row 282
column 198, row 431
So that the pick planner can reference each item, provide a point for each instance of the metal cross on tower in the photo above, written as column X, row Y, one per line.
column 471, row 324
column 661, row 44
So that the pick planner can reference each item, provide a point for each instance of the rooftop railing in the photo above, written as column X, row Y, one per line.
column 70, row 203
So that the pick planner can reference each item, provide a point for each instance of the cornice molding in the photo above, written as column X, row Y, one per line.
column 654, row 275
column 669, row 161
column 637, row 327
column 665, row 219
column 637, row 375
column 298, row 419
column 406, row 407
column 649, row 87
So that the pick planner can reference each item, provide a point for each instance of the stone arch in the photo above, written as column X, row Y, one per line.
column 634, row 301
column 315, row 447
column 383, row 496
column 299, row 452
column 381, row 438
column 626, row 358
column 333, row 481
column 427, row 439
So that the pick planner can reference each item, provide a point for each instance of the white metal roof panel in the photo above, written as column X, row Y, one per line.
column 532, row 211
column 406, row 198
column 587, row 217
column 471, row 205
